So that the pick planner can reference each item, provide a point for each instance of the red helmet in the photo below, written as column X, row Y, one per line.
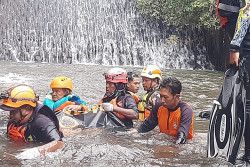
column 116, row 75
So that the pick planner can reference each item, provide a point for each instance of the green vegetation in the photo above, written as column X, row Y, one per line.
column 181, row 13
column 193, row 23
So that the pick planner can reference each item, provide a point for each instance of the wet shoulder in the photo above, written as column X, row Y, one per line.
column 41, row 122
column 127, row 99
column 185, row 107
column 155, row 99
column 42, row 119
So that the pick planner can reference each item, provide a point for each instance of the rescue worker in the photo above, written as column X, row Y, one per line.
column 133, row 85
column 174, row 116
column 61, row 96
column 151, row 77
column 117, row 99
column 235, row 18
column 30, row 121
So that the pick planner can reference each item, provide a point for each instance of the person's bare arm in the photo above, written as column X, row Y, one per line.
column 50, row 147
column 128, row 113
column 41, row 150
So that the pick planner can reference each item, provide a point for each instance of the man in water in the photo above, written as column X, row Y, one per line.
column 174, row 117
column 30, row 121
column 133, row 85
column 61, row 96
column 151, row 77
column 117, row 99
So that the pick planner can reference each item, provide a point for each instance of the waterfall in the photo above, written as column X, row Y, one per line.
column 109, row 32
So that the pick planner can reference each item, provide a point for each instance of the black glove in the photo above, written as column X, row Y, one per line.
column 181, row 138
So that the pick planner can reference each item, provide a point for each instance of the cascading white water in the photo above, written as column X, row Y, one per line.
column 109, row 32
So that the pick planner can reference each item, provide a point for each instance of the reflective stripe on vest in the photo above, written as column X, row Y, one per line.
column 228, row 8
column 223, row 20
column 169, row 122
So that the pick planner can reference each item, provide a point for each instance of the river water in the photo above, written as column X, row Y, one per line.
column 99, row 147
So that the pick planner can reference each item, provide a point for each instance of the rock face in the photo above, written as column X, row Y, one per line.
column 109, row 32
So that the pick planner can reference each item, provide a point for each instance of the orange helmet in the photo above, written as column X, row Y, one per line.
column 18, row 96
column 116, row 75
column 62, row 82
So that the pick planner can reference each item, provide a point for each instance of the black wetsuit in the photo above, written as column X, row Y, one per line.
column 43, row 125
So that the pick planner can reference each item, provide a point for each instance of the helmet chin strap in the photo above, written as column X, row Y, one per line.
column 22, row 120
column 112, row 94
column 22, row 116
column 119, row 89
column 150, row 88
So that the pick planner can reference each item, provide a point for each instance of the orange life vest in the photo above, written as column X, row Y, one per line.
column 143, row 107
column 65, row 104
column 61, row 107
column 169, row 122
column 144, row 112
column 136, row 98
column 17, row 134
column 120, row 103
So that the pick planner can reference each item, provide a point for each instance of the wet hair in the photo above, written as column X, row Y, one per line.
column 158, row 80
column 120, row 86
column 172, row 84
column 131, row 76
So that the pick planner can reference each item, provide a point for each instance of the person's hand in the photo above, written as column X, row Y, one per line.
column 234, row 58
column 180, row 141
column 131, row 131
column 107, row 106
column 73, row 108
column 181, row 138
column 29, row 154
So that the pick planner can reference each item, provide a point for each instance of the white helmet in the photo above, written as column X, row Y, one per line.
column 151, row 71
